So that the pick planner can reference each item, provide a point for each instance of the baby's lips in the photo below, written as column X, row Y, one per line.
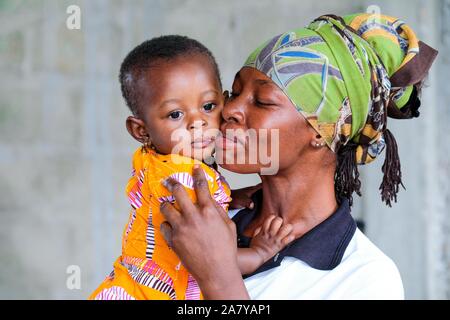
column 202, row 142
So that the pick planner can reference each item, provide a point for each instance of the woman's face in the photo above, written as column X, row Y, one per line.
column 262, row 125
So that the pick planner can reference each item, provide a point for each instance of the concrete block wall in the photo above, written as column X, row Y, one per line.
column 65, row 153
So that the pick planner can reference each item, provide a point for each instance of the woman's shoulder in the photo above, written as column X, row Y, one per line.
column 364, row 272
column 362, row 247
column 374, row 268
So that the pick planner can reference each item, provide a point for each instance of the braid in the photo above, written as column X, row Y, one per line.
column 346, row 180
column 392, row 173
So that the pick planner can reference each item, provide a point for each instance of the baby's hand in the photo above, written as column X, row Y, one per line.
column 272, row 237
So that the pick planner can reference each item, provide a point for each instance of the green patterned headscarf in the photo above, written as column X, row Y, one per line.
column 346, row 75
column 336, row 72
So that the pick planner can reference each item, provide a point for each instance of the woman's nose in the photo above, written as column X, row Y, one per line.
column 233, row 110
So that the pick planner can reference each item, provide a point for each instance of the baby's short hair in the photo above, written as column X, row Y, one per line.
column 150, row 52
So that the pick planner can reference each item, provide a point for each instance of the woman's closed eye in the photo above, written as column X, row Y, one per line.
column 264, row 102
column 176, row 115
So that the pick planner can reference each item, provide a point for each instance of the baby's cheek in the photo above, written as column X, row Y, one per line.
column 182, row 147
column 175, row 140
column 217, row 121
column 214, row 118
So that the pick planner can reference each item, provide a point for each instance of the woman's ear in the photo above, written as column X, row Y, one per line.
column 317, row 141
column 136, row 127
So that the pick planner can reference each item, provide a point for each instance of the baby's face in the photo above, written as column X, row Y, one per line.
column 182, row 104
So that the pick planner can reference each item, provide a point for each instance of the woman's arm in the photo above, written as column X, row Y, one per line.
column 204, row 238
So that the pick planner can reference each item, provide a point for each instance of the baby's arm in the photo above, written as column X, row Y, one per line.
column 267, row 241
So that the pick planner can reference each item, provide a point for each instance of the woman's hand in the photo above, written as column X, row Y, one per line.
column 204, row 238
column 242, row 198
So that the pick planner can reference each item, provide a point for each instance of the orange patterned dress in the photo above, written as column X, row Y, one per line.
column 148, row 268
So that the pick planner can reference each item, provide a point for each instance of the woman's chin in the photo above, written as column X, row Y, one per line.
column 241, row 168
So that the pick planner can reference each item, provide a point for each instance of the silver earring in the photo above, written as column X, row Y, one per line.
column 319, row 145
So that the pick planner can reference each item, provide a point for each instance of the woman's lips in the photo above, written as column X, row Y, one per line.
column 227, row 143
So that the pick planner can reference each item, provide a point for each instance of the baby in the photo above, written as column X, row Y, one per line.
column 172, row 86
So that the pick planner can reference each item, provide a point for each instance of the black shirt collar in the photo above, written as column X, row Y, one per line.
column 321, row 248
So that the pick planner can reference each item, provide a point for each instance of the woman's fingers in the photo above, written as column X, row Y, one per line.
column 166, row 230
column 201, row 187
column 180, row 194
column 222, row 212
column 170, row 214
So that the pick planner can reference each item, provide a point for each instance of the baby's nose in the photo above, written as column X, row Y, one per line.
column 197, row 124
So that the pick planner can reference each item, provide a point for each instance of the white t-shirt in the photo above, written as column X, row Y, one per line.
column 363, row 273
column 334, row 260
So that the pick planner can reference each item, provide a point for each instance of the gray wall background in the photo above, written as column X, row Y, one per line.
column 65, row 155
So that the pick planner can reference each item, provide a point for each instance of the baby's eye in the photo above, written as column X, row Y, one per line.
column 175, row 115
column 209, row 107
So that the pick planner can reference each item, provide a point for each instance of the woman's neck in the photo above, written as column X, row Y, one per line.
column 303, row 197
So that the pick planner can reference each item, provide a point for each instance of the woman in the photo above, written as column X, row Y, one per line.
column 329, row 89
